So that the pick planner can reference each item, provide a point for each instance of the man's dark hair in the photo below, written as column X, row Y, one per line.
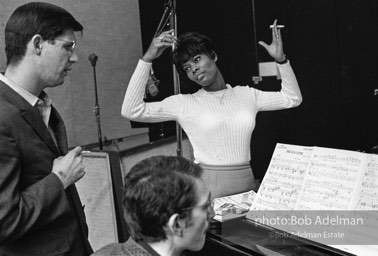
column 154, row 190
column 191, row 44
column 34, row 18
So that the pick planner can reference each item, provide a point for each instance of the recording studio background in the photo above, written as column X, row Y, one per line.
column 112, row 32
column 331, row 45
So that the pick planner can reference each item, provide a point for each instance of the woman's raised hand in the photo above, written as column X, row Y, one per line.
column 159, row 44
column 275, row 49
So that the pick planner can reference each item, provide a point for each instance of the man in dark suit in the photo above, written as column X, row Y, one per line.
column 40, row 210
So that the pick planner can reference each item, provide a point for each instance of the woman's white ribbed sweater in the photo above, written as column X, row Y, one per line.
column 218, row 124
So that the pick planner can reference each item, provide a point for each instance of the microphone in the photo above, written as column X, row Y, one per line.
column 93, row 59
column 152, row 89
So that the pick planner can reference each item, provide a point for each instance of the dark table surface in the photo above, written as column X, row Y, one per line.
column 243, row 237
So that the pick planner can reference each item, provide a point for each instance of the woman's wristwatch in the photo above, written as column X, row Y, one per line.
column 282, row 61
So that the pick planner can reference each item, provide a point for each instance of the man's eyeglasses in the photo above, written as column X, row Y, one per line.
column 209, row 206
column 70, row 47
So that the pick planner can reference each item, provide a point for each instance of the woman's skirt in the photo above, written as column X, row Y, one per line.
column 228, row 180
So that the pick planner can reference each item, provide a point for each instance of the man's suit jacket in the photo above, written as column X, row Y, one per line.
column 37, row 216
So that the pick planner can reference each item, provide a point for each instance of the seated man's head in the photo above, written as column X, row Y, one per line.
column 166, row 200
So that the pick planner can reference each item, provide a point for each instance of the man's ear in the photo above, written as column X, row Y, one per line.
column 37, row 41
column 176, row 225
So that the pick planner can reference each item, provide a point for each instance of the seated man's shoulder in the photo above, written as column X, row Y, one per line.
column 110, row 249
column 129, row 248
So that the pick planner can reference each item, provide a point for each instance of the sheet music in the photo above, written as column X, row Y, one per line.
column 316, row 183
column 317, row 178
column 96, row 194
column 367, row 196
column 331, row 180
column 282, row 182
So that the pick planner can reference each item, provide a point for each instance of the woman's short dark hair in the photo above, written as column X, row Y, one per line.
column 190, row 45
column 34, row 18
column 154, row 190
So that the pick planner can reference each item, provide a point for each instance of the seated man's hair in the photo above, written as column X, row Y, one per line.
column 34, row 18
column 190, row 45
column 154, row 190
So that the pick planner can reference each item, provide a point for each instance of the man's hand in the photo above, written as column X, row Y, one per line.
column 69, row 168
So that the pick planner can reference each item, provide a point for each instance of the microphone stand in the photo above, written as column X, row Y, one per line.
column 176, row 80
column 170, row 13
column 93, row 59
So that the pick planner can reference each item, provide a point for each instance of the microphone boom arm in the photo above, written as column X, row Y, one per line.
column 169, row 16
column 176, row 78
column 164, row 19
